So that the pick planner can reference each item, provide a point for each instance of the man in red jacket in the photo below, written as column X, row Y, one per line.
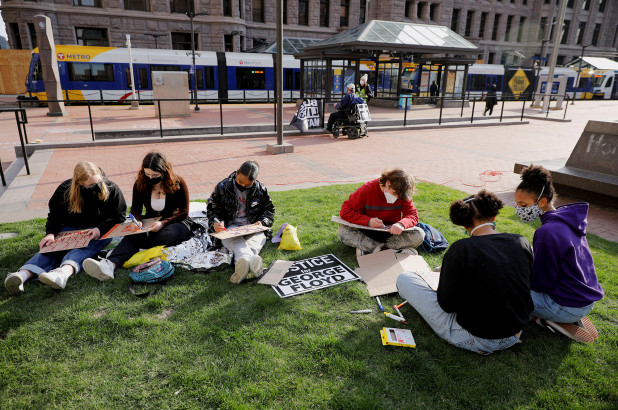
column 384, row 203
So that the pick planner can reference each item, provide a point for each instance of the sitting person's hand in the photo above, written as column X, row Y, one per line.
column 156, row 227
column 396, row 229
column 376, row 223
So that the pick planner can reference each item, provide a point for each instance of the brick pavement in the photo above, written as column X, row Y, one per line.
column 452, row 157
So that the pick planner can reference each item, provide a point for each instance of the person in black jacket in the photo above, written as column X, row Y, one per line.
column 163, row 195
column 483, row 299
column 240, row 200
column 490, row 100
column 88, row 201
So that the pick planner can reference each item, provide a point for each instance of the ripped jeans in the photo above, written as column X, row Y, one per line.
column 425, row 300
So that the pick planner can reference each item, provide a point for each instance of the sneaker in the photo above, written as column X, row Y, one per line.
column 55, row 278
column 588, row 326
column 102, row 270
column 241, row 270
column 359, row 252
column 255, row 266
column 14, row 283
column 407, row 251
column 571, row 331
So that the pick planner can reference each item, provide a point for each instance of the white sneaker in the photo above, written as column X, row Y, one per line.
column 14, row 283
column 240, row 271
column 102, row 270
column 255, row 266
column 407, row 251
column 55, row 278
column 359, row 252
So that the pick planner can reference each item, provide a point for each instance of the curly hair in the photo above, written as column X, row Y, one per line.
column 158, row 163
column 483, row 205
column 401, row 183
column 536, row 180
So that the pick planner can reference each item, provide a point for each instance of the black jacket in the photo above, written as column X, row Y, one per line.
column 223, row 203
column 95, row 213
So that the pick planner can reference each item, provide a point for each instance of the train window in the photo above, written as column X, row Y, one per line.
column 199, row 77
column 477, row 83
column 165, row 68
column 609, row 82
column 499, row 83
column 143, row 78
column 91, row 72
column 210, row 78
column 37, row 73
column 127, row 73
column 288, row 79
column 250, row 78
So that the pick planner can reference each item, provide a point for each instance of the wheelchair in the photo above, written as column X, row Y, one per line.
column 355, row 125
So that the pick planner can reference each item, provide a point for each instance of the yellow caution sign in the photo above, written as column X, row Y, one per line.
column 519, row 83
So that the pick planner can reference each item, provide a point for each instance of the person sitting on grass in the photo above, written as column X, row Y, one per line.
column 240, row 200
column 565, row 285
column 162, row 194
column 483, row 299
column 386, row 203
column 87, row 201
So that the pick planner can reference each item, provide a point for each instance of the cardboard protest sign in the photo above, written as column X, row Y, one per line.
column 342, row 221
column 314, row 273
column 308, row 115
column 275, row 272
column 68, row 240
column 130, row 228
column 239, row 231
column 380, row 270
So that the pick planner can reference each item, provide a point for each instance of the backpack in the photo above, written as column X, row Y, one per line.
column 153, row 271
column 434, row 241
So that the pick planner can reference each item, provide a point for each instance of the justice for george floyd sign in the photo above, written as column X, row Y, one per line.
column 314, row 273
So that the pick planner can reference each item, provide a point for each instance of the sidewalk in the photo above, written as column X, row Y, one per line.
column 454, row 157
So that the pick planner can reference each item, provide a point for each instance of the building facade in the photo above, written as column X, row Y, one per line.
column 506, row 31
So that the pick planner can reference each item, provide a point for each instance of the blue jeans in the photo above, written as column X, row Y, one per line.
column 44, row 262
column 425, row 300
column 546, row 308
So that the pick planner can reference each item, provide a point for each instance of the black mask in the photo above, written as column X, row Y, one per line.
column 153, row 181
column 93, row 190
column 241, row 188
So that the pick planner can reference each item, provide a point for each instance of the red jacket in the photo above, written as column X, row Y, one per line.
column 368, row 202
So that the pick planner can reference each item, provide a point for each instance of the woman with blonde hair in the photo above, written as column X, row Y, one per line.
column 88, row 201
column 163, row 194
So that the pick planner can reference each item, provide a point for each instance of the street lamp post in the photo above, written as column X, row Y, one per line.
column 155, row 36
column 579, row 70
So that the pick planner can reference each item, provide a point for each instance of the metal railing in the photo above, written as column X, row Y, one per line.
column 21, row 119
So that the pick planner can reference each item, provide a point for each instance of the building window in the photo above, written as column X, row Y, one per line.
column 138, row 5
column 542, row 27
column 469, row 18
column 91, row 72
column 227, row 8
column 581, row 30
column 14, row 28
column 240, row 8
column 32, row 33
column 492, row 57
column 182, row 6
column 483, row 23
column 92, row 36
column 303, row 12
column 87, row 3
column 560, row 61
column 509, row 23
column 248, row 78
column 258, row 11
column 454, row 19
column 595, row 34
column 525, row 2
column 285, row 11
column 182, row 41
column 615, row 36
column 324, row 11
column 406, row 10
column 520, row 30
column 565, row 32
column 570, row 3
column 228, row 41
column 433, row 11
column 362, row 10
column 586, row 5
column 494, row 31
column 420, row 8
column 602, row 6
column 344, row 16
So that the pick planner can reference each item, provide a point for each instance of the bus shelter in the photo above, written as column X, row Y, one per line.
column 399, row 58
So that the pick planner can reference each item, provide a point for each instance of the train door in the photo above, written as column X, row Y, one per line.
column 34, row 81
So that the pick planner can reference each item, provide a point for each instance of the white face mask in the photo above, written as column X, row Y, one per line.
column 362, row 82
column 390, row 198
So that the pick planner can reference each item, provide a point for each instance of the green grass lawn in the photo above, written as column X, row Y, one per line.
column 203, row 342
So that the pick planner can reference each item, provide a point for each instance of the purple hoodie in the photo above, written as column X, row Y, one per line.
column 563, row 265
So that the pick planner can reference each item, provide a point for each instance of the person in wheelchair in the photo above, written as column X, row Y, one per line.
column 343, row 107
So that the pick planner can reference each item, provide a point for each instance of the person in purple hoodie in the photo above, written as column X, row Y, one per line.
column 564, row 286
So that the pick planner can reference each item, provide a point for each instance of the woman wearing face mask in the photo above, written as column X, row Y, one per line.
column 163, row 194
column 385, row 203
column 565, row 285
column 483, row 299
column 88, row 201
column 364, row 89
